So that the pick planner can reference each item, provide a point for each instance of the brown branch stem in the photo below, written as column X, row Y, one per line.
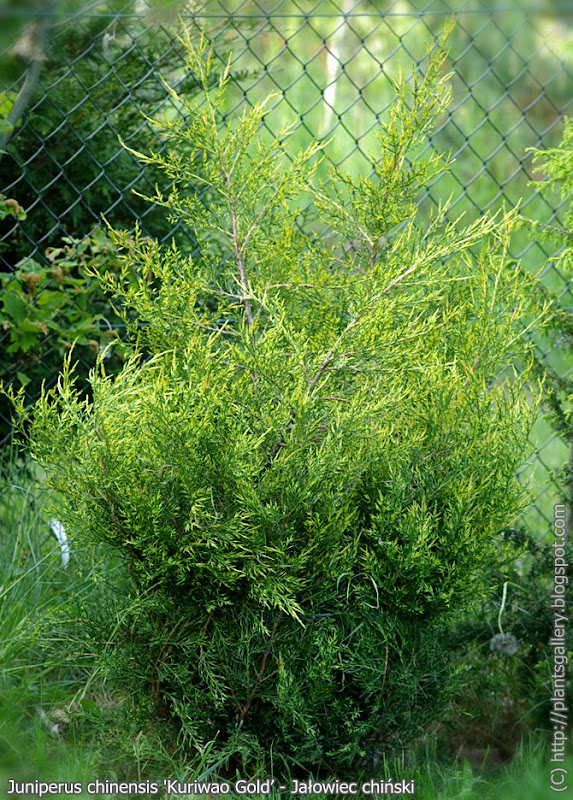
column 260, row 675
column 237, row 248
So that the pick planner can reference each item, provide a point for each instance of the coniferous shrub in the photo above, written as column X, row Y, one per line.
column 307, row 474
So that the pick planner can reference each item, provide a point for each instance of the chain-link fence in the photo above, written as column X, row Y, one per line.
column 75, row 82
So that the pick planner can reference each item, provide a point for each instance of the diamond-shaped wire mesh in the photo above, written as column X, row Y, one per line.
column 332, row 66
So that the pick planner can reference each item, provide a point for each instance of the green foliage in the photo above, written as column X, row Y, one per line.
column 43, row 306
column 507, row 692
column 9, row 206
column 557, row 164
column 65, row 149
column 308, row 475
column 508, row 671
column 47, row 676
column 66, row 144
column 48, row 309
column 531, row 620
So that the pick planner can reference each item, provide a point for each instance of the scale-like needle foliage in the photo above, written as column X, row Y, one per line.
column 308, row 472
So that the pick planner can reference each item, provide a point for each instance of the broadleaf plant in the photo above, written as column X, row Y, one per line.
column 307, row 463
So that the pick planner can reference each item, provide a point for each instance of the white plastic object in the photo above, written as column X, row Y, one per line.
column 60, row 533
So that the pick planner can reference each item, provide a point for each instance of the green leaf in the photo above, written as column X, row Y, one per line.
column 52, row 300
column 27, row 341
column 23, row 378
column 15, row 307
